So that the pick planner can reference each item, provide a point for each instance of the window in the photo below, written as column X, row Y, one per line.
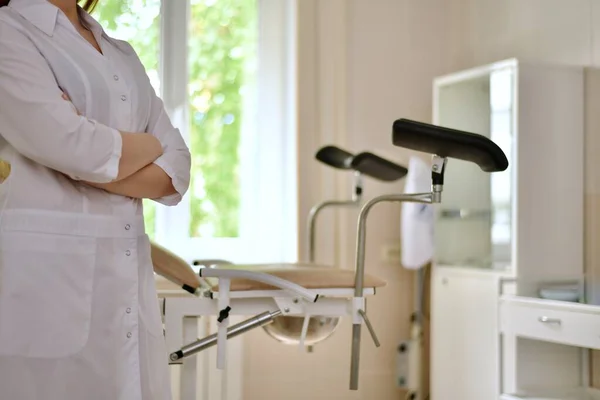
column 213, row 62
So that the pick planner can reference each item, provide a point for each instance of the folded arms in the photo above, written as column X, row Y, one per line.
column 42, row 126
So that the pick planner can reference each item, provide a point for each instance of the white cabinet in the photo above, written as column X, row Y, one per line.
column 541, row 347
column 502, row 237
column 464, row 336
column 527, row 220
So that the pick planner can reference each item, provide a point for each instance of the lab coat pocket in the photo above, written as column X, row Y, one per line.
column 46, row 286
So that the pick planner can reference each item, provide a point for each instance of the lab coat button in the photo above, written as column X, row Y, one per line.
column 123, row 97
column 128, row 334
column 127, row 227
column 128, row 311
column 128, row 253
column 116, row 77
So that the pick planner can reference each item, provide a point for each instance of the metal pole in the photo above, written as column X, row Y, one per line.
column 360, row 265
column 312, row 219
column 362, row 230
column 202, row 344
column 420, row 290
column 312, row 215
column 435, row 196
column 314, row 212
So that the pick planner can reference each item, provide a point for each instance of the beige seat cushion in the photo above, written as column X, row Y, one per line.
column 306, row 275
column 309, row 276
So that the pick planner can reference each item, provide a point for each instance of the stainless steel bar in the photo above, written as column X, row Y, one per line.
column 420, row 290
column 314, row 212
column 355, row 361
column 370, row 328
column 431, row 197
column 357, row 193
column 235, row 330
column 312, row 219
column 362, row 230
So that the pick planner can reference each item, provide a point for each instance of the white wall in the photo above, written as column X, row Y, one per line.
column 558, row 31
column 363, row 64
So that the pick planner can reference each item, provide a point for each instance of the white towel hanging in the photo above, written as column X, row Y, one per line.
column 417, row 219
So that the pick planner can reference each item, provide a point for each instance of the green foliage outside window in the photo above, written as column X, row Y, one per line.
column 221, row 54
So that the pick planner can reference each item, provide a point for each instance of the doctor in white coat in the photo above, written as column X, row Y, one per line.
column 79, row 316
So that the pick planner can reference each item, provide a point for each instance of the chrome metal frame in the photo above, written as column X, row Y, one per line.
column 357, row 194
column 435, row 196
column 289, row 300
column 181, row 316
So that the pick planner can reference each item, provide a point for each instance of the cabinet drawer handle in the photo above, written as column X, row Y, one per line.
column 547, row 320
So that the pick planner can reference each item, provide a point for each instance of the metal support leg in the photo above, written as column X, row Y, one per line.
column 182, row 320
column 431, row 197
column 189, row 369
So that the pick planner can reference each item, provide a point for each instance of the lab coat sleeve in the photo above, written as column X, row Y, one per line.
column 176, row 159
column 44, row 127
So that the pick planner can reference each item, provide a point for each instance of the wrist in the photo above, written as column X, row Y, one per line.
column 156, row 147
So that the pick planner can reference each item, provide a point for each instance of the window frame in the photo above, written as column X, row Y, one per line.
column 269, row 223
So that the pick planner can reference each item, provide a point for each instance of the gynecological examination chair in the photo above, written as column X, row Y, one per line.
column 267, row 293
column 288, row 329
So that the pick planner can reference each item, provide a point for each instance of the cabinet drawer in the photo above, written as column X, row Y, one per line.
column 552, row 321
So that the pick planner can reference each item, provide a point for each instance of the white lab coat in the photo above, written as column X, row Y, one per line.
column 79, row 317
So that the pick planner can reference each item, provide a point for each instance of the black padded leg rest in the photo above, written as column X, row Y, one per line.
column 335, row 157
column 450, row 143
column 378, row 168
